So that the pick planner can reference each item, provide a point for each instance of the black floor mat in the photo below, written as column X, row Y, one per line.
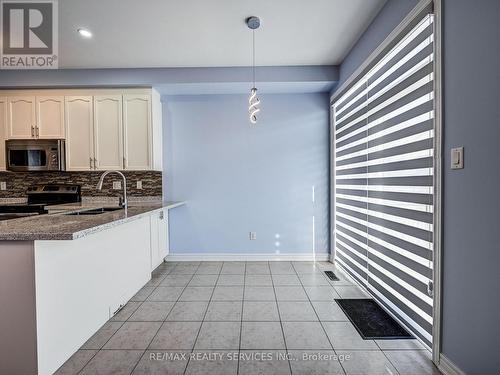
column 371, row 321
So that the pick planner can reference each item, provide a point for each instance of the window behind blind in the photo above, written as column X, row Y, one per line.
column 384, row 186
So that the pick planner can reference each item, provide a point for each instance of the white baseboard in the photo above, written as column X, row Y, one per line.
column 447, row 367
column 246, row 257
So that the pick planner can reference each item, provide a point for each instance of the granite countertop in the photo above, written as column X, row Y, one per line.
column 60, row 226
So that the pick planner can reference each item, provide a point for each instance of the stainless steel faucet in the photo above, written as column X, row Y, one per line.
column 123, row 202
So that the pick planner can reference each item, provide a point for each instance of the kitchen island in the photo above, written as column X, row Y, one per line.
column 63, row 275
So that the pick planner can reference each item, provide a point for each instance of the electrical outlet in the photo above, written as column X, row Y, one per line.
column 252, row 236
column 117, row 185
column 3, row 185
column 139, row 185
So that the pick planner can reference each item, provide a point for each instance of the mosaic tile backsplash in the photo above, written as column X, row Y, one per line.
column 18, row 182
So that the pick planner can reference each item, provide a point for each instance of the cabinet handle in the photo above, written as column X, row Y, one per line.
column 37, row 131
column 95, row 163
column 90, row 163
column 32, row 131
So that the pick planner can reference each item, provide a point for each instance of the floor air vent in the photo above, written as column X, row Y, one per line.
column 331, row 276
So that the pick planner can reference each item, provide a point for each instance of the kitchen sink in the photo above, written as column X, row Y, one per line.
column 96, row 211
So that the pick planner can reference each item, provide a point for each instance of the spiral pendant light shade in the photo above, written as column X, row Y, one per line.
column 253, row 23
column 253, row 102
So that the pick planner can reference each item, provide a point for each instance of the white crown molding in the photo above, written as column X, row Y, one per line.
column 447, row 367
column 247, row 257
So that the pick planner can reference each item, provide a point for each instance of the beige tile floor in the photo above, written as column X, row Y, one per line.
column 242, row 318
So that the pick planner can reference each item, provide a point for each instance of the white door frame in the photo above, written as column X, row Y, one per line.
column 438, row 182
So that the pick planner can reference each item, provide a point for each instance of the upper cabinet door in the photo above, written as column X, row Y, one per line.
column 49, row 117
column 80, row 133
column 137, row 132
column 21, row 119
column 108, row 132
column 3, row 132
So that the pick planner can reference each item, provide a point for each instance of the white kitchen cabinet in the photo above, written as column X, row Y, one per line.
column 163, row 234
column 49, row 117
column 103, row 128
column 79, row 133
column 85, row 281
column 159, row 237
column 32, row 117
column 155, row 236
column 137, row 132
column 21, row 117
column 3, row 131
column 108, row 132
column 46, row 294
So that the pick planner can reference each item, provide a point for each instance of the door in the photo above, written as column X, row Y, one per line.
column 49, row 117
column 3, row 131
column 163, row 235
column 21, row 118
column 108, row 132
column 154, row 232
column 80, row 133
column 159, row 237
column 137, row 132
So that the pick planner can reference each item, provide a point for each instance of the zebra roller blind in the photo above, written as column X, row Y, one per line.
column 383, row 157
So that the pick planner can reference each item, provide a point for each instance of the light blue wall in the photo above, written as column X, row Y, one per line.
column 176, row 81
column 391, row 14
column 471, row 216
column 237, row 178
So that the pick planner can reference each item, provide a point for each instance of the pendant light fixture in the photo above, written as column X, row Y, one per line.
column 253, row 23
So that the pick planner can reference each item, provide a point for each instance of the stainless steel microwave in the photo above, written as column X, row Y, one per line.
column 35, row 155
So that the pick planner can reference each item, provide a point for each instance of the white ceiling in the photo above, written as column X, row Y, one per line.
column 204, row 33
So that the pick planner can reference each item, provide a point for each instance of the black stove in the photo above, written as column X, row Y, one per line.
column 39, row 197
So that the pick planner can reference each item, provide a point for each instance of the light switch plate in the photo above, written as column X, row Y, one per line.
column 3, row 185
column 457, row 158
column 117, row 185
column 139, row 185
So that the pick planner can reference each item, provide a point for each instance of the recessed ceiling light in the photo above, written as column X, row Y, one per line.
column 84, row 32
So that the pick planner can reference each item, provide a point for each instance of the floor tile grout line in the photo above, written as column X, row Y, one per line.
column 185, row 287
column 281, row 323
column 86, row 363
column 203, row 319
column 180, row 294
column 241, row 322
column 116, row 321
column 340, row 362
column 140, row 357
column 161, row 325
column 309, row 349
column 393, row 365
column 194, row 273
column 377, row 348
column 123, row 322
column 322, row 327
column 174, row 302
